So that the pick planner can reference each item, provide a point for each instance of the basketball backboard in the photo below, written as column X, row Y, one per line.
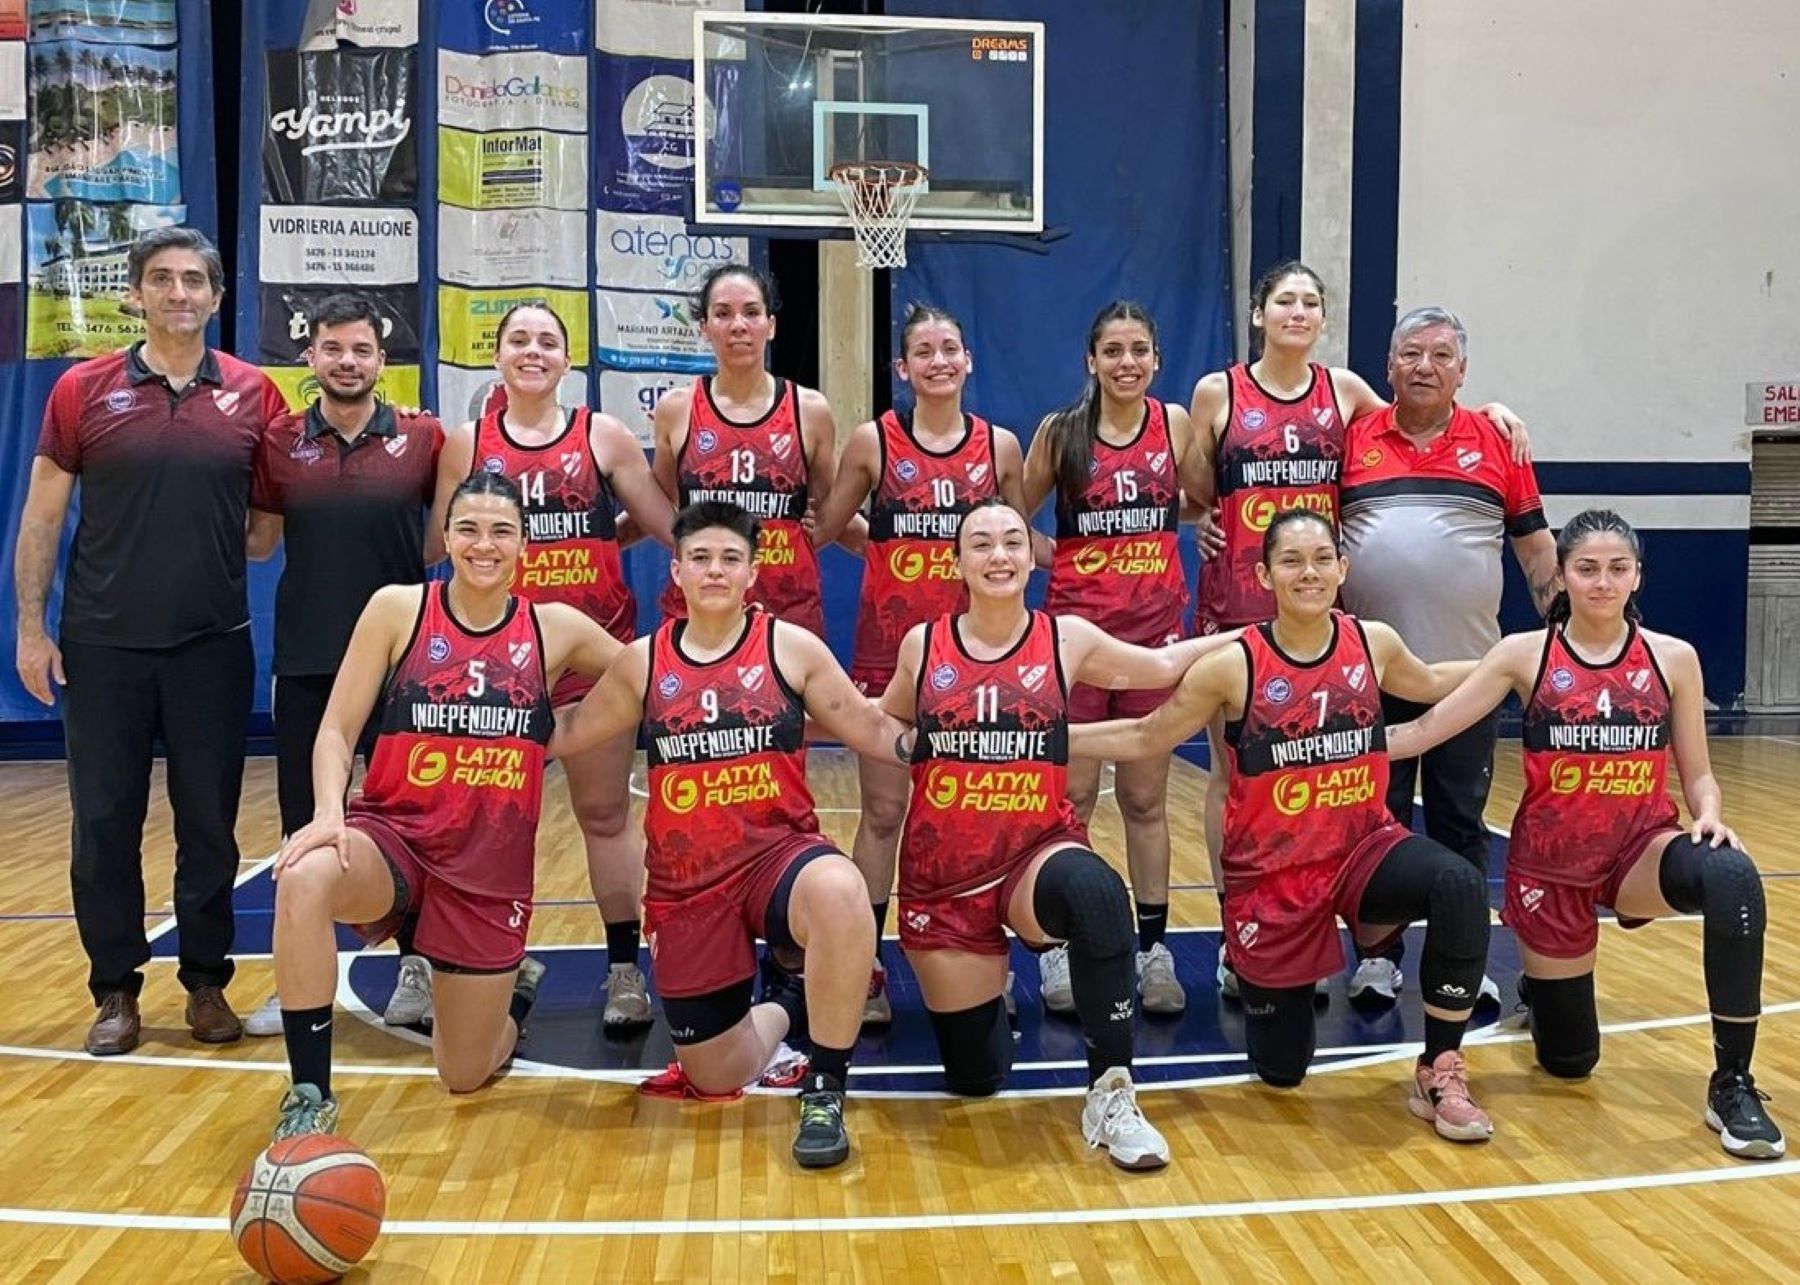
column 792, row 95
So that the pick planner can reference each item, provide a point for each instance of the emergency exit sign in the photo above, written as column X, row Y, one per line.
column 1772, row 405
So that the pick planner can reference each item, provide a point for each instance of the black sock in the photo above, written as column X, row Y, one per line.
column 1442, row 1033
column 787, row 991
column 524, row 995
column 1733, row 1045
column 622, row 942
column 880, row 908
column 1152, row 922
column 832, row 1062
column 307, row 1032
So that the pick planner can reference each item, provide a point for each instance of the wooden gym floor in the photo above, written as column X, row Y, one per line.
column 122, row 1169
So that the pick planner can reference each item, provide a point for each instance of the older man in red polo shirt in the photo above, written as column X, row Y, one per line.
column 1430, row 496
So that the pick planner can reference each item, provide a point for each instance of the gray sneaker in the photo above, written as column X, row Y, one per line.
column 305, row 1110
column 1158, row 990
column 265, row 1020
column 1053, row 970
column 410, row 1004
column 627, row 997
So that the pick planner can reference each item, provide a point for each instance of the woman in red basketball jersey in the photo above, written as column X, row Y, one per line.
column 1605, row 702
column 991, row 841
column 919, row 472
column 1118, row 460
column 1271, row 436
column 753, row 439
column 445, row 826
column 1307, row 835
column 574, row 468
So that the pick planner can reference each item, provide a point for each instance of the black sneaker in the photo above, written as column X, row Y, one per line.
column 1734, row 1111
column 822, row 1140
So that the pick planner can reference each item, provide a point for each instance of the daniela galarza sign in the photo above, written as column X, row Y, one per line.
column 339, row 127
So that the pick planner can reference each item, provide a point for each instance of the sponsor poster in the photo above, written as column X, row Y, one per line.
column 631, row 396
column 339, row 245
column 11, row 307
column 116, row 22
column 463, row 391
column 12, row 19
column 397, row 384
column 491, row 26
column 660, row 28
column 650, row 332
column 76, row 252
column 512, row 169
column 12, row 160
column 656, row 252
column 338, row 127
column 646, row 117
column 12, row 80
column 391, row 23
column 512, row 91
column 512, row 247
column 467, row 320
column 12, row 231
column 285, row 309
column 103, row 123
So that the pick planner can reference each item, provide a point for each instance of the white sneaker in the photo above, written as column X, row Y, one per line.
column 410, row 1004
column 1053, row 972
column 1489, row 992
column 1226, row 976
column 1158, row 990
column 1111, row 1119
column 878, row 1010
column 1012, row 1004
column 627, row 997
column 265, row 1020
column 1376, row 983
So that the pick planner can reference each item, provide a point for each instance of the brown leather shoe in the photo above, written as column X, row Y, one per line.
column 210, row 1018
column 115, row 1030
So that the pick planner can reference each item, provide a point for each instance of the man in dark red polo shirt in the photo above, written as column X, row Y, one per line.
column 1430, row 497
column 347, row 484
column 155, row 637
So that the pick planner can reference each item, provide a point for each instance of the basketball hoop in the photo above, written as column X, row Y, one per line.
column 879, row 197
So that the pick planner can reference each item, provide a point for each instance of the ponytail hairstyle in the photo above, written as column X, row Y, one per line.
column 1073, row 428
column 920, row 314
column 482, row 482
column 1578, row 528
column 1265, row 286
column 1294, row 517
column 763, row 281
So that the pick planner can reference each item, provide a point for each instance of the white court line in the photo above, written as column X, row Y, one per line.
column 244, row 876
column 1743, row 1172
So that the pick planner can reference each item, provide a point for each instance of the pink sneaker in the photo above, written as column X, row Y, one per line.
column 1440, row 1094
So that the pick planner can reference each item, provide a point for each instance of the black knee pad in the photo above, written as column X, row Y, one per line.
column 1719, row 883
column 1082, row 900
column 977, row 1047
column 1280, row 1032
column 1456, row 935
column 1565, row 1028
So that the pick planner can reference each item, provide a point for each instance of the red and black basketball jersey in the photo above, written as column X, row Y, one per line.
column 1116, row 561
column 1309, row 767
column 1596, row 761
column 725, row 741
column 1274, row 455
column 990, row 774
column 909, row 567
column 760, row 466
column 459, row 752
column 572, row 554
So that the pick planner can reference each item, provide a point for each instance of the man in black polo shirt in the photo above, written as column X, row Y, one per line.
column 348, row 484
column 155, row 638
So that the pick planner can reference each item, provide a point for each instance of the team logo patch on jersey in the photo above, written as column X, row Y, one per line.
column 1253, row 418
column 1032, row 676
column 1278, row 690
column 571, row 463
column 1561, row 679
column 396, row 446
column 494, row 464
column 1371, row 458
column 120, row 400
column 977, row 472
column 226, row 399
column 670, row 684
column 306, row 451
column 752, row 677
column 1324, row 416
column 706, row 439
column 1157, row 461
column 1467, row 460
column 1356, row 675
column 438, row 649
column 1639, row 679
column 917, row 920
column 1246, row 933
column 906, row 470
column 782, row 444
column 1530, row 896
column 519, row 653
column 944, row 677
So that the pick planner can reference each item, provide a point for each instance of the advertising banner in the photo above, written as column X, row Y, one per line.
column 12, row 231
column 346, row 246
column 339, row 127
column 397, row 384
column 657, row 252
column 646, row 113
column 631, row 396
column 390, row 23
column 78, row 274
column 12, row 160
column 512, row 91
column 512, row 169
column 12, row 80
column 659, row 28
column 12, row 19
column 512, row 247
column 467, row 320
column 649, row 332
column 493, row 26
column 103, row 123
column 285, row 309
column 116, row 22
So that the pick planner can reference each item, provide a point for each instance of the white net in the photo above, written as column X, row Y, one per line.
column 879, row 197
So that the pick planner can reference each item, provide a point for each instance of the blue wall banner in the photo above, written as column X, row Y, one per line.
column 340, row 127
column 496, row 26
column 104, row 123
